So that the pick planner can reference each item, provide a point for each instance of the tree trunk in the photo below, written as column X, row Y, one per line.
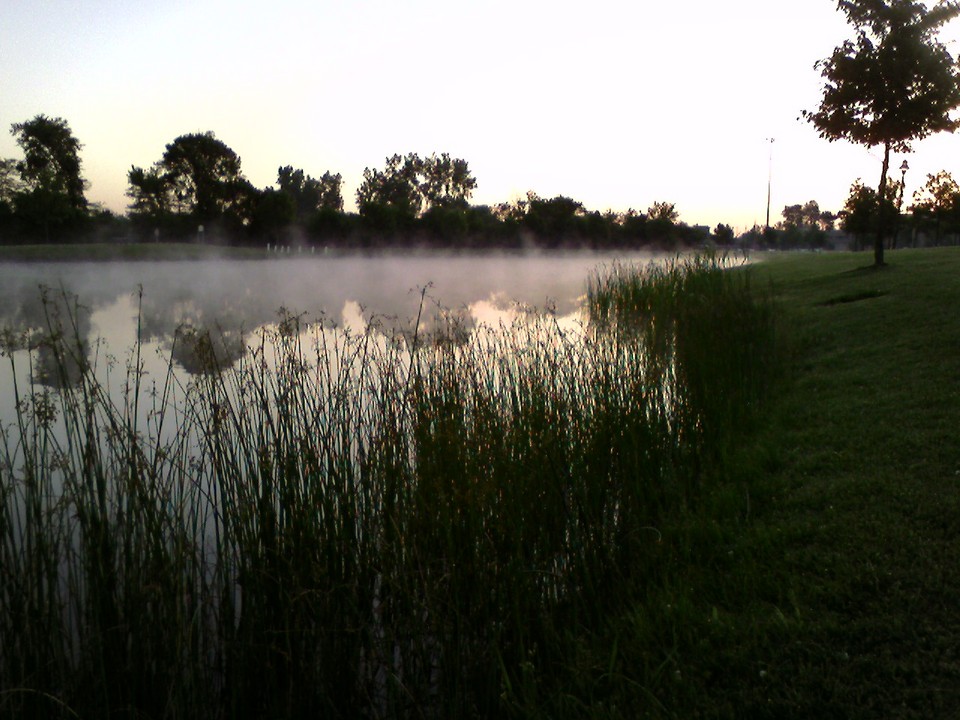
column 882, row 209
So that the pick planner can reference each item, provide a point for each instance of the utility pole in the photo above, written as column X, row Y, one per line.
column 769, row 178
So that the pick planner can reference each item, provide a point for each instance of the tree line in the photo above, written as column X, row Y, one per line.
column 197, row 189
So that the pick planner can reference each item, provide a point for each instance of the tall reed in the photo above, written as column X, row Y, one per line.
column 363, row 524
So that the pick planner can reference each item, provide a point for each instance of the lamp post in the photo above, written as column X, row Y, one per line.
column 904, row 166
column 769, row 179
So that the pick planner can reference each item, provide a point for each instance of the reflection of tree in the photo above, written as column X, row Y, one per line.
column 59, row 363
column 59, row 326
column 202, row 350
column 230, row 297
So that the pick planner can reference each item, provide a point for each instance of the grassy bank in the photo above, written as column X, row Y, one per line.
column 867, row 489
column 837, row 598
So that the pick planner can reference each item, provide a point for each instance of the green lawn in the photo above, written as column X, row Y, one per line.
column 840, row 597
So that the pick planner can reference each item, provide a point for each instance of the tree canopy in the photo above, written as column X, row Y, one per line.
column 47, row 192
column 198, row 177
column 893, row 84
column 51, row 158
column 936, row 206
column 409, row 184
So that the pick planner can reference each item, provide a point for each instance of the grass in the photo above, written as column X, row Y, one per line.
column 867, row 489
column 836, row 598
column 516, row 526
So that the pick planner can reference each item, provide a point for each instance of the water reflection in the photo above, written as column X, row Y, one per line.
column 202, row 312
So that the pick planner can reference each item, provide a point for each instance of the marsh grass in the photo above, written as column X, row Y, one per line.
column 370, row 524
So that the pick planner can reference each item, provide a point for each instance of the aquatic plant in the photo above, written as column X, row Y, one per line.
column 368, row 523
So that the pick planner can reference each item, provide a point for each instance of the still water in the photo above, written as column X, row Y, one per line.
column 112, row 302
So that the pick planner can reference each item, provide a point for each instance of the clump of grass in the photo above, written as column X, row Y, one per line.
column 367, row 524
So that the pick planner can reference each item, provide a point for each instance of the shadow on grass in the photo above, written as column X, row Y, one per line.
column 852, row 297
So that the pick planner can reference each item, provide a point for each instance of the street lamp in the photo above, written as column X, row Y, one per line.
column 769, row 178
column 904, row 166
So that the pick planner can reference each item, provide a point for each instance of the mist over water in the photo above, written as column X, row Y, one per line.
column 100, row 304
column 233, row 295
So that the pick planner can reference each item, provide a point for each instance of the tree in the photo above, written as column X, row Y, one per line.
column 409, row 184
column 664, row 212
column 892, row 85
column 938, row 202
column 445, row 181
column 51, row 161
column 198, row 178
column 150, row 192
column 553, row 219
column 204, row 176
column 794, row 216
column 10, row 187
column 274, row 211
column 394, row 189
column 10, row 181
column 662, row 218
column 807, row 217
column 309, row 194
column 863, row 212
column 723, row 234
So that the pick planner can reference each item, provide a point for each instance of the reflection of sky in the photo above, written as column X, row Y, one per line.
column 232, row 296
column 247, row 294
column 350, row 292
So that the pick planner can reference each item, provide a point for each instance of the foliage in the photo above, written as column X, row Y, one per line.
column 275, row 211
column 662, row 218
column 937, row 204
column 11, row 183
column 203, row 174
column 807, row 216
column 150, row 192
column 51, row 159
column 197, row 178
column 555, row 218
column 446, row 181
column 723, row 234
column 409, row 184
column 863, row 212
column 892, row 85
column 411, row 200
column 394, row 188
column 309, row 194
column 49, row 195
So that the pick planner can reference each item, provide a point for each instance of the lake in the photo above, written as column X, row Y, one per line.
column 234, row 298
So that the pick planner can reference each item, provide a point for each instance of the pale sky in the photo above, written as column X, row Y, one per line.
column 616, row 104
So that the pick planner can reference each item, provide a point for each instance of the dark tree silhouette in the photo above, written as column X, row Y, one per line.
column 409, row 184
column 150, row 192
column 51, row 158
column 864, row 212
column 50, row 195
column 198, row 178
column 309, row 194
column 892, row 85
column 445, row 181
column 204, row 175
column 936, row 206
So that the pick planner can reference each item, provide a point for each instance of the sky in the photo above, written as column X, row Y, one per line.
column 614, row 103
